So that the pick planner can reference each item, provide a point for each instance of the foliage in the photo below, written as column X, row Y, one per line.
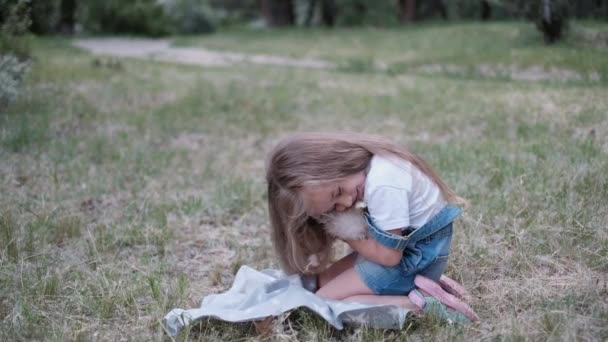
column 12, row 72
column 471, row 9
column 233, row 11
column 15, row 18
column 45, row 15
column 144, row 17
column 366, row 12
column 147, row 17
column 14, row 48
column 189, row 16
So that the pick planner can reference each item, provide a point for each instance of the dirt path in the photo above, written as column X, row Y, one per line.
column 161, row 50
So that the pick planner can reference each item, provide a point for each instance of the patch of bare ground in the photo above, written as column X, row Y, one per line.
column 161, row 50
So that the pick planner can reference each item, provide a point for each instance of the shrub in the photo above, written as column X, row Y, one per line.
column 15, row 19
column 12, row 72
column 14, row 48
column 474, row 9
column 189, row 16
column 45, row 15
column 144, row 17
column 366, row 12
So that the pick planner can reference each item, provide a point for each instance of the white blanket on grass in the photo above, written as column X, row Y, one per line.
column 255, row 295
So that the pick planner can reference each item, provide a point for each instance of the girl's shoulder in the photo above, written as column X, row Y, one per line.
column 395, row 174
column 389, row 171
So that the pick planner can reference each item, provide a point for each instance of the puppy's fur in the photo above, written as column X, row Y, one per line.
column 346, row 225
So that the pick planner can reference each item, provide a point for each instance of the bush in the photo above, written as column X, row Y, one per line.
column 144, row 17
column 45, row 16
column 14, row 48
column 366, row 12
column 472, row 9
column 15, row 19
column 12, row 72
column 189, row 16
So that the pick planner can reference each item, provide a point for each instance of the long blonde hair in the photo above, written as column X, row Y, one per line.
column 313, row 159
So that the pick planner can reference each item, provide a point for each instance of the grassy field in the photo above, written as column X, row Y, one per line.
column 132, row 187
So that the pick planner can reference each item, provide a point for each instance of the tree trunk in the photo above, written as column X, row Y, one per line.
column 443, row 11
column 278, row 13
column 407, row 10
column 67, row 18
column 328, row 12
column 310, row 12
column 486, row 10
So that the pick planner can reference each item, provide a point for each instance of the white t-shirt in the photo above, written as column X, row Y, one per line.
column 399, row 195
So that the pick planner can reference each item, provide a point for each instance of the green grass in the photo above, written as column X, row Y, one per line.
column 406, row 49
column 132, row 187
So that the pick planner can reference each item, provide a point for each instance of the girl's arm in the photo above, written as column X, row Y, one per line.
column 376, row 252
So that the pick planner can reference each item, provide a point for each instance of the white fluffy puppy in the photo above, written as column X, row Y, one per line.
column 347, row 225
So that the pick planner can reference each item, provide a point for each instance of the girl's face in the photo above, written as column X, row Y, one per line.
column 337, row 196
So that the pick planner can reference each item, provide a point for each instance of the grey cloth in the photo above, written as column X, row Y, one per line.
column 255, row 295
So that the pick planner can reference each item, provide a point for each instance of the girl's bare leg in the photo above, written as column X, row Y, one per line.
column 336, row 268
column 341, row 282
column 346, row 284
column 402, row 301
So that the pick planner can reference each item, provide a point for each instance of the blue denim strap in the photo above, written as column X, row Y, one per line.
column 448, row 214
column 440, row 220
column 385, row 238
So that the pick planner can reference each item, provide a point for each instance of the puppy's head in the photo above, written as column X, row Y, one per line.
column 346, row 225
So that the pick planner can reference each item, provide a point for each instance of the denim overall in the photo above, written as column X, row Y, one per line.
column 425, row 251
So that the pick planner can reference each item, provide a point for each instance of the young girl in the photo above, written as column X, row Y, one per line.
column 409, row 213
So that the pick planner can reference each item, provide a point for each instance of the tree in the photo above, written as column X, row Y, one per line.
column 278, row 13
column 44, row 15
column 407, row 10
column 67, row 16
column 428, row 9
column 486, row 10
column 145, row 17
column 310, row 12
column 328, row 12
column 552, row 19
column 439, row 6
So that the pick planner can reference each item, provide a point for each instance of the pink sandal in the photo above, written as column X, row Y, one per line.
column 454, row 288
column 439, row 302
